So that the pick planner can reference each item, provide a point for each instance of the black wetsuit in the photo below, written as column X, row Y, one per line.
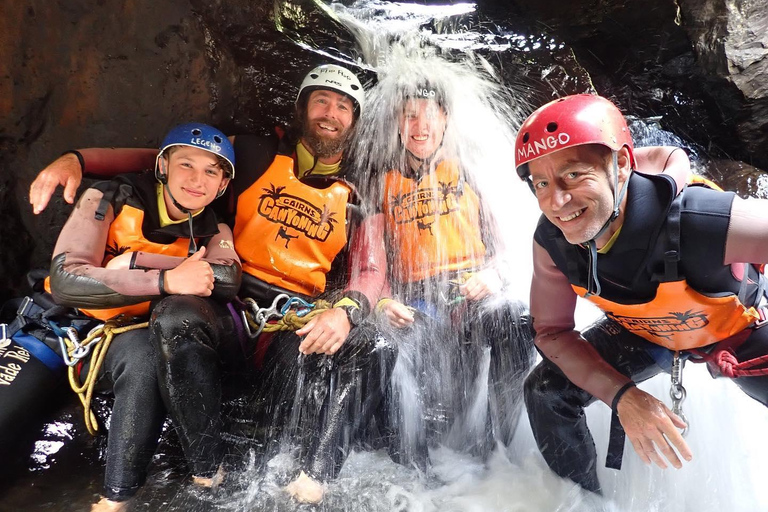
column 322, row 403
column 168, row 366
column 630, row 273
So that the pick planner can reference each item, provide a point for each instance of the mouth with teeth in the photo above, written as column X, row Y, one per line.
column 572, row 216
column 327, row 127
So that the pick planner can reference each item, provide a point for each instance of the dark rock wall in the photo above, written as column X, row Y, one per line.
column 81, row 73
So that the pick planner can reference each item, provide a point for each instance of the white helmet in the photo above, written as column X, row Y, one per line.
column 335, row 78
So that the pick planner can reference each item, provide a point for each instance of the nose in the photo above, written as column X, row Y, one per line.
column 422, row 124
column 559, row 197
column 196, row 176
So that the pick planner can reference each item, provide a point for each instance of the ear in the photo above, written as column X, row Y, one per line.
column 223, row 186
column 161, row 173
column 624, row 162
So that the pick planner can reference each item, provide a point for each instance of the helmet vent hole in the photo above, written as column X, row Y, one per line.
column 354, row 87
column 552, row 127
column 526, row 136
column 217, row 139
column 196, row 132
column 314, row 76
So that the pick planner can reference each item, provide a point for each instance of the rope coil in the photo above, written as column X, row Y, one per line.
column 257, row 320
column 96, row 343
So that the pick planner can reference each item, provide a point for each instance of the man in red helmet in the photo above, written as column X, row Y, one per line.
column 675, row 273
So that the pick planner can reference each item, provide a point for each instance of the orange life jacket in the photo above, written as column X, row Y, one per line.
column 125, row 234
column 679, row 317
column 433, row 224
column 288, row 233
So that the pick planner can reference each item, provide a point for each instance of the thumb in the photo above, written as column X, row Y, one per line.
column 198, row 255
column 307, row 327
column 70, row 188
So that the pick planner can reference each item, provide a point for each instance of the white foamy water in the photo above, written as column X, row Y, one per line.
column 726, row 427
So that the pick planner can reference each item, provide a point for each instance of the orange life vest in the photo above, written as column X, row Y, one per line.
column 288, row 233
column 679, row 317
column 125, row 234
column 433, row 224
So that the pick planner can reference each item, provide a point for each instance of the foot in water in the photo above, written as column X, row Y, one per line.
column 105, row 505
column 305, row 489
column 210, row 482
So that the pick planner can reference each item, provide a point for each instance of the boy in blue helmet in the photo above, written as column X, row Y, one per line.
column 293, row 175
column 129, row 243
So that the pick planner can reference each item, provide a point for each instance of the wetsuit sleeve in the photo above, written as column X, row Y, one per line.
column 367, row 262
column 227, row 272
column 747, row 239
column 668, row 160
column 78, row 278
column 553, row 303
column 108, row 162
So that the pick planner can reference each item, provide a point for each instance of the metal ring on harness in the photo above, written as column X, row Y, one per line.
column 261, row 315
column 677, row 392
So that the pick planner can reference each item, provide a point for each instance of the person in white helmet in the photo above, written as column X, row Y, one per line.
column 296, row 232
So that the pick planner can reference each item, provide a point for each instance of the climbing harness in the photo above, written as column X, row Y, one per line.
column 96, row 344
column 292, row 313
column 677, row 391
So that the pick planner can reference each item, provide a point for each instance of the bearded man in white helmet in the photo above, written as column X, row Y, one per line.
column 294, row 219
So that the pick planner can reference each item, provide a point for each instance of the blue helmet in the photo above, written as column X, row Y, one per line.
column 203, row 136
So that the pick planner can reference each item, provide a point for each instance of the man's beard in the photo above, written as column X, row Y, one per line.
column 324, row 147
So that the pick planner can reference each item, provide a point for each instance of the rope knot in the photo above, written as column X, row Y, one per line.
column 727, row 363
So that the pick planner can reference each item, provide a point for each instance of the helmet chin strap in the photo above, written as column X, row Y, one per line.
column 593, row 284
column 164, row 181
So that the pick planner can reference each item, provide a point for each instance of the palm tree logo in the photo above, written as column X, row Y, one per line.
column 326, row 216
column 113, row 250
column 272, row 192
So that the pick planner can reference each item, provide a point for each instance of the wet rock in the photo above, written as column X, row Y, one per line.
column 78, row 74
column 731, row 43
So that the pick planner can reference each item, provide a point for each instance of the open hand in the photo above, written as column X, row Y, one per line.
column 651, row 426
column 64, row 171
column 325, row 333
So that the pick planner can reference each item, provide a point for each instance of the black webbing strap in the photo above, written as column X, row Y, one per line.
column 617, row 435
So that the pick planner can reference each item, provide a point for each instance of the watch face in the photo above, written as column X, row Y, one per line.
column 355, row 315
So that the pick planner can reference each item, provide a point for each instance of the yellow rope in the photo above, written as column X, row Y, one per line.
column 290, row 321
column 100, row 338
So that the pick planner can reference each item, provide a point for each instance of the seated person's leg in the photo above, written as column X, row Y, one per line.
column 186, row 331
column 137, row 414
column 506, row 327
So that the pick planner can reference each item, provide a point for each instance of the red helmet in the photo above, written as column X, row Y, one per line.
column 567, row 122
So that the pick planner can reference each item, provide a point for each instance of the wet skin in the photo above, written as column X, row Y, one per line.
column 422, row 125
column 574, row 188
column 329, row 119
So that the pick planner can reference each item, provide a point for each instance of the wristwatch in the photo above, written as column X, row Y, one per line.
column 354, row 314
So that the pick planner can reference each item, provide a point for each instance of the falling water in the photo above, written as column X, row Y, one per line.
column 727, row 428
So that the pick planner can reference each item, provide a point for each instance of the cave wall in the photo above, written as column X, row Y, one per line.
column 83, row 73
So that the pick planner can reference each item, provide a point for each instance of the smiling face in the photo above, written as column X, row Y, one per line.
column 195, row 177
column 574, row 188
column 327, row 123
column 422, row 125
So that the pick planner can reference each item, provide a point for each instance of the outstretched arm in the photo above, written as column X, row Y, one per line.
column 669, row 160
column 67, row 171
